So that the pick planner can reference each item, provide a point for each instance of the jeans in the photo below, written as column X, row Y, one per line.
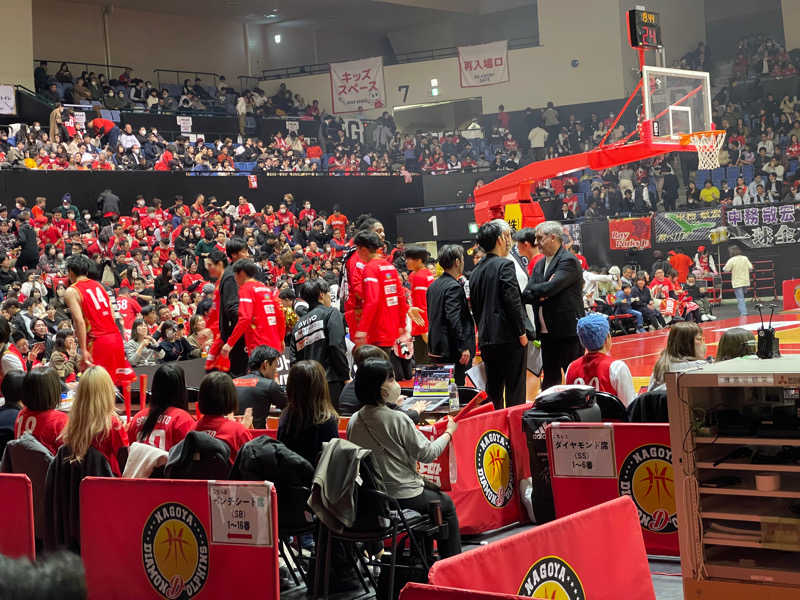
column 639, row 318
column 739, row 293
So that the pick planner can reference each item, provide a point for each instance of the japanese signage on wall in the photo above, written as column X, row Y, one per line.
column 626, row 234
column 184, row 122
column 484, row 64
column 686, row 225
column 357, row 85
column 764, row 226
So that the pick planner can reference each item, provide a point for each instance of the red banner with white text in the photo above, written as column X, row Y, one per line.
column 627, row 234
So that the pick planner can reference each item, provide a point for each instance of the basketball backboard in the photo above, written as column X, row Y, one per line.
column 677, row 102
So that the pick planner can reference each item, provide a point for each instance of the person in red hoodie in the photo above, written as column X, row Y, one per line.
column 165, row 162
column 383, row 318
column 420, row 280
column 217, row 402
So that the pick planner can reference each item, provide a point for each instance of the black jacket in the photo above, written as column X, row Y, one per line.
column 267, row 459
column 319, row 335
column 228, row 303
column 640, row 297
column 62, row 528
column 559, row 293
column 29, row 246
column 496, row 301
column 259, row 393
column 451, row 329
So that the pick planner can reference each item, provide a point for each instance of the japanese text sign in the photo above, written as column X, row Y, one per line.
column 357, row 85
column 484, row 64
column 240, row 514
column 583, row 452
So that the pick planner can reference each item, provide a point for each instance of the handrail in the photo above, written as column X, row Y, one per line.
column 244, row 78
column 36, row 95
column 85, row 64
column 404, row 57
column 178, row 73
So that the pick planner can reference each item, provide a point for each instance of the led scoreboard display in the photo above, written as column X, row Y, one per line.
column 644, row 30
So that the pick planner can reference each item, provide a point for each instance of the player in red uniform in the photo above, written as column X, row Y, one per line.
column 420, row 280
column 355, row 259
column 216, row 399
column 93, row 320
column 127, row 307
column 165, row 421
column 261, row 319
column 383, row 318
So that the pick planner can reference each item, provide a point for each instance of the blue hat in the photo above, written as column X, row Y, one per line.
column 66, row 197
column 593, row 330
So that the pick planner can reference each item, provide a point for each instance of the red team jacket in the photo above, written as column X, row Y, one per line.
column 261, row 319
column 385, row 306
column 420, row 282
column 170, row 428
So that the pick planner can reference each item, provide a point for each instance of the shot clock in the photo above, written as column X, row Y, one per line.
column 644, row 30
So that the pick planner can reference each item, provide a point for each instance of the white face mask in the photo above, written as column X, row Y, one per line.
column 390, row 391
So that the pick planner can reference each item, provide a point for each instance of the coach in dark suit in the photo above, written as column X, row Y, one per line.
column 498, row 309
column 555, row 291
column 451, row 330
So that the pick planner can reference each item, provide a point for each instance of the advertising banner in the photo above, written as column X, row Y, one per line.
column 764, row 226
column 484, row 64
column 357, row 85
column 627, row 234
column 686, row 225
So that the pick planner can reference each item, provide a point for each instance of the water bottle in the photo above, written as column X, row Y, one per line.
column 452, row 390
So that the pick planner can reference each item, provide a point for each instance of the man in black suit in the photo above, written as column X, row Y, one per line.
column 555, row 291
column 451, row 330
column 497, row 306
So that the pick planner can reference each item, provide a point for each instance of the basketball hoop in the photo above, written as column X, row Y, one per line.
column 708, row 145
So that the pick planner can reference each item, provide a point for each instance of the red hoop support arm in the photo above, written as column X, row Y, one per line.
column 622, row 112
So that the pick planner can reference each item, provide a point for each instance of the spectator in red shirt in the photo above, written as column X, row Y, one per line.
column 165, row 421
column 40, row 416
column 217, row 401
column 502, row 117
column 337, row 221
column 308, row 212
column 93, row 421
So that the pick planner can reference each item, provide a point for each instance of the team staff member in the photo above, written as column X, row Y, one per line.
column 452, row 330
column 596, row 367
column 498, row 309
column 420, row 280
column 260, row 318
column 383, row 318
column 556, row 292
column 235, row 249
column 258, row 390
column 319, row 336
column 93, row 320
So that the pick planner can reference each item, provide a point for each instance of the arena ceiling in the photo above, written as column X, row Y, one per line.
column 362, row 14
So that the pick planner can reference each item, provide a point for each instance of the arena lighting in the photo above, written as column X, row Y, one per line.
column 434, row 83
column 277, row 38
column 435, row 91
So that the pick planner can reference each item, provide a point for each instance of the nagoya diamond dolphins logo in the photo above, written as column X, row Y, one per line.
column 647, row 477
column 175, row 551
column 494, row 468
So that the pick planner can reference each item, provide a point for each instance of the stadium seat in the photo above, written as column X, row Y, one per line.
column 748, row 172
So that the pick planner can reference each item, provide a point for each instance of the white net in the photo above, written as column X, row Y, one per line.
column 708, row 144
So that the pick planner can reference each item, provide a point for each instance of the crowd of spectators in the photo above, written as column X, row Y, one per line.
column 759, row 55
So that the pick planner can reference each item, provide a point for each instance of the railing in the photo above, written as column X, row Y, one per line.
column 179, row 75
column 247, row 82
column 405, row 57
column 83, row 66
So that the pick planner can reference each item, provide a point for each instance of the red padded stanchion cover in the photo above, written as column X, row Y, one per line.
column 643, row 471
column 485, row 492
column 423, row 591
column 16, row 518
column 597, row 553
column 145, row 538
column 519, row 445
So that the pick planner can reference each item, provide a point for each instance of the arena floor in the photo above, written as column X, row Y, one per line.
column 640, row 351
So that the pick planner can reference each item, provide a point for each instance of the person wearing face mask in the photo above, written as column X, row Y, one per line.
column 500, row 316
column 319, row 335
column 397, row 446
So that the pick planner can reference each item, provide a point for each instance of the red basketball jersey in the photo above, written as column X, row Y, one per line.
column 44, row 425
column 96, row 308
column 231, row 432
column 170, row 428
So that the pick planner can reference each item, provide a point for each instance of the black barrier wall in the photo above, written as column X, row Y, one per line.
column 381, row 196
